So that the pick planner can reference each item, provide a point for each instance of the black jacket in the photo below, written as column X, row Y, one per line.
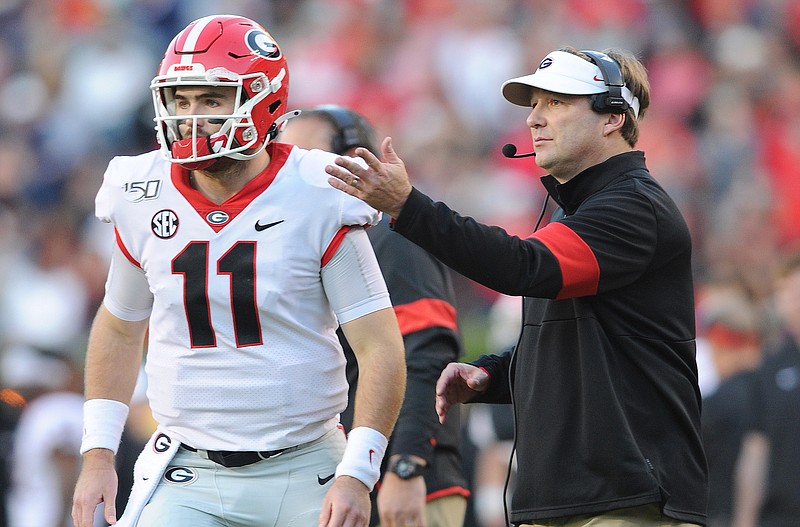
column 423, row 298
column 604, row 386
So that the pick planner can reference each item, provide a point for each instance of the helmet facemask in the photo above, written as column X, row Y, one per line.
column 237, row 137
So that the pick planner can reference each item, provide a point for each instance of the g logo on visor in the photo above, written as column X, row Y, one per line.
column 261, row 44
column 545, row 63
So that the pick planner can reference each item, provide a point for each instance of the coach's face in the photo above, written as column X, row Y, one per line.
column 567, row 134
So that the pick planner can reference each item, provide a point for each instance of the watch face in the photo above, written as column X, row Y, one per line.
column 405, row 468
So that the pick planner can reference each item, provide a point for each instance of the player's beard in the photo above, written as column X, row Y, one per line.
column 225, row 168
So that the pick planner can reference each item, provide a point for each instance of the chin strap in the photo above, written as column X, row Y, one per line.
column 204, row 146
column 280, row 123
column 208, row 145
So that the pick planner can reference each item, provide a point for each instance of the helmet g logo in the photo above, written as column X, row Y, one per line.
column 260, row 43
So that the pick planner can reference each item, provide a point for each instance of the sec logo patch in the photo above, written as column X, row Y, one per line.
column 165, row 224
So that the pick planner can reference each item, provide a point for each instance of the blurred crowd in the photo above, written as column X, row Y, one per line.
column 722, row 135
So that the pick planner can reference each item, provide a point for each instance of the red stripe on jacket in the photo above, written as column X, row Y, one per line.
column 580, row 272
column 450, row 491
column 425, row 313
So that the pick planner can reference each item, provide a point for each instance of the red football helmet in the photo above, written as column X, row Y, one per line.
column 222, row 51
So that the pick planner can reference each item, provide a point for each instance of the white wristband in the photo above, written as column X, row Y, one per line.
column 103, row 421
column 363, row 455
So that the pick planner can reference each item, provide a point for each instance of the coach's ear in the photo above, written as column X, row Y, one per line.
column 614, row 123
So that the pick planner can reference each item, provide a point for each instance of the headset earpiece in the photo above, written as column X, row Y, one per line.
column 611, row 101
column 351, row 130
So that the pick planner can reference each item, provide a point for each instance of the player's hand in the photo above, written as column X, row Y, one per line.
column 458, row 383
column 401, row 502
column 383, row 184
column 96, row 484
column 346, row 504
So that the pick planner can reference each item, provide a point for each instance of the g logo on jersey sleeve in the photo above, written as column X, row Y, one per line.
column 165, row 224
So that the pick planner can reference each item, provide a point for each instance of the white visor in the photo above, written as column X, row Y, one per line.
column 562, row 72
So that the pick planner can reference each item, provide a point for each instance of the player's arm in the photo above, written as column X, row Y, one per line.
column 113, row 358
column 357, row 292
column 378, row 347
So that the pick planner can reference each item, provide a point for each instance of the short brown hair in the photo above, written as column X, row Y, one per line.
column 635, row 75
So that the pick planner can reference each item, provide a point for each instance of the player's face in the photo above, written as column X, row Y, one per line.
column 203, row 100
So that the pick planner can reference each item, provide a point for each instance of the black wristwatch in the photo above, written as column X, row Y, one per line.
column 405, row 467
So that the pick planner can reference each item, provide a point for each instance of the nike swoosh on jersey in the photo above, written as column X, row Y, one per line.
column 260, row 227
column 324, row 480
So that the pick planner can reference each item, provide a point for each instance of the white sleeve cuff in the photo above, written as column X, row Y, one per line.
column 363, row 456
column 103, row 422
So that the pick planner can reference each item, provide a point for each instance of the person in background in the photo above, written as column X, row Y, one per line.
column 423, row 480
column 238, row 262
column 604, row 377
column 44, row 460
column 768, row 480
column 730, row 330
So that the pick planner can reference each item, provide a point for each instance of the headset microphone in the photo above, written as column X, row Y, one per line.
column 510, row 151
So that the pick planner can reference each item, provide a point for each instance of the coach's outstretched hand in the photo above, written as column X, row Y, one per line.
column 383, row 184
column 458, row 383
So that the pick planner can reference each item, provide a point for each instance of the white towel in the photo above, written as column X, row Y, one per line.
column 147, row 472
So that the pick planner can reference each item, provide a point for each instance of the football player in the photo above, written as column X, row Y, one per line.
column 236, row 261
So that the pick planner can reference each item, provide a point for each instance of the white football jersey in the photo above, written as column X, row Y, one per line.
column 242, row 351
